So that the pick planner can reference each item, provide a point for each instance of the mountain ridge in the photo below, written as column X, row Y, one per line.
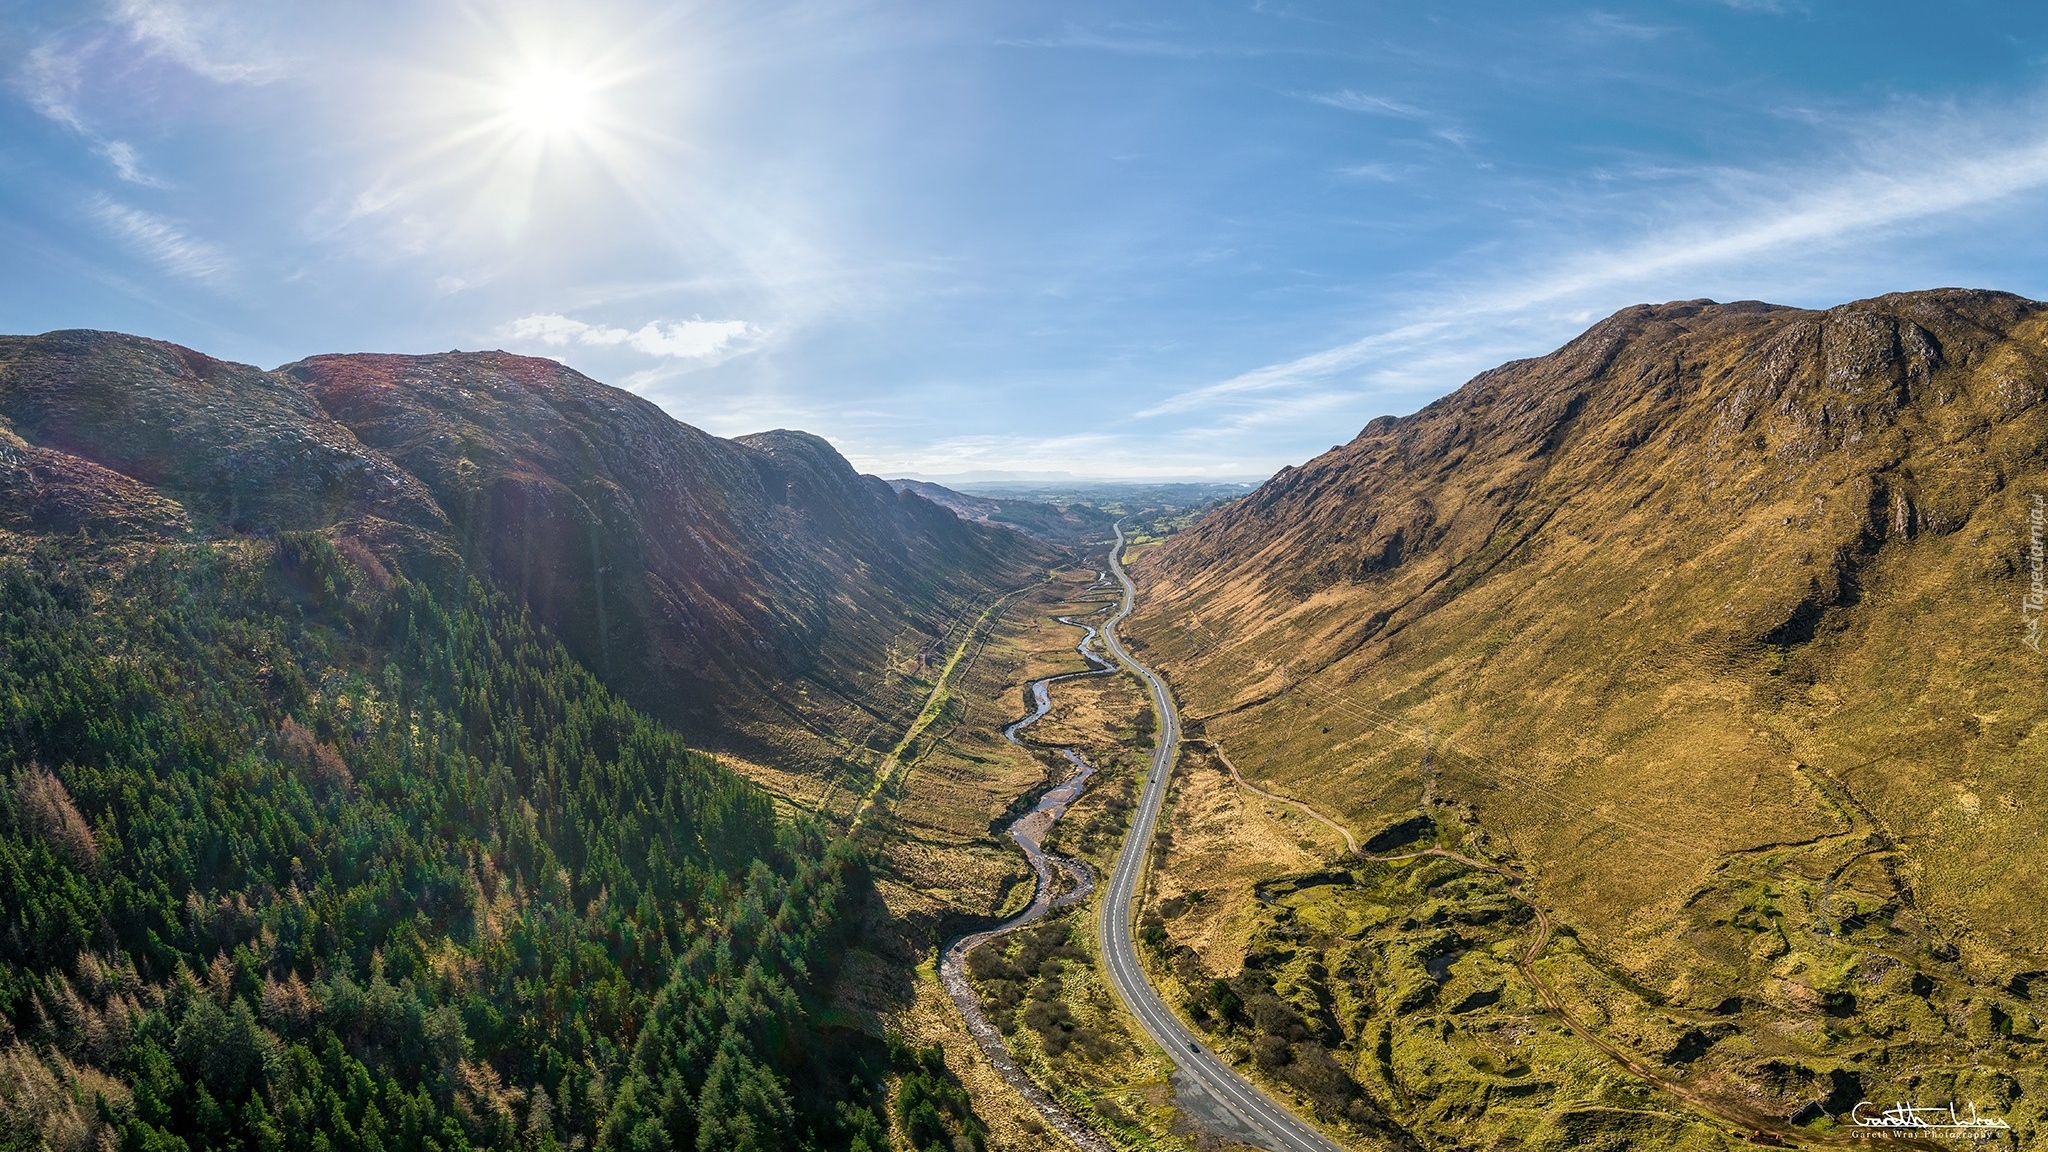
column 698, row 575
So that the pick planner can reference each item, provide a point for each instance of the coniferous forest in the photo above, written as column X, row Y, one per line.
column 299, row 852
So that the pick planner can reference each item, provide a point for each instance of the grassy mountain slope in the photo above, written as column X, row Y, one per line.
column 1710, row 621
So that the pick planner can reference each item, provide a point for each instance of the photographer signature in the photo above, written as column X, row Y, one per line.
column 1864, row 1115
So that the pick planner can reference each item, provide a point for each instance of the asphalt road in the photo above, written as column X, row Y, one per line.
column 1264, row 1121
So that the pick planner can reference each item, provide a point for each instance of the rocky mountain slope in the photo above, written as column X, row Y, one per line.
column 1711, row 623
column 757, row 591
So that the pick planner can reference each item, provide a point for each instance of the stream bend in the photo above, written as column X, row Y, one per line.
column 1029, row 831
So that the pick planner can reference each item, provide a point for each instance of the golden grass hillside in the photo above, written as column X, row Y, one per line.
column 1710, row 623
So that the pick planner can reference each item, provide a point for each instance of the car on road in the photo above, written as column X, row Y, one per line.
column 1194, row 1047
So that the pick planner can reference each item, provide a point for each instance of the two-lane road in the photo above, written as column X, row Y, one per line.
column 1277, row 1129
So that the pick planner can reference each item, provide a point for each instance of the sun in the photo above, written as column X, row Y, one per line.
column 548, row 102
column 532, row 122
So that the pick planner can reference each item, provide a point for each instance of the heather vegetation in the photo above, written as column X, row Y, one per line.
column 1423, row 996
column 297, row 853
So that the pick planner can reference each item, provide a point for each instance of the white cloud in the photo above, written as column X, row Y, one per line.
column 127, row 164
column 1384, row 173
column 708, row 341
column 1607, row 25
column 198, row 37
column 1354, row 101
column 161, row 240
column 1074, row 36
column 52, row 78
column 1287, row 374
column 1351, row 100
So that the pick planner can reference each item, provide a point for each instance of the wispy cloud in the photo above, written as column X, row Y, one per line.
column 199, row 37
column 1753, row 229
column 1074, row 37
column 1351, row 100
column 161, row 241
column 1146, row 40
column 1384, row 173
column 51, row 78
column 1290, row 373
column 707, row 341
column 128, row 164
column 57, row 77
column 1355, row 101
column 1610, row 26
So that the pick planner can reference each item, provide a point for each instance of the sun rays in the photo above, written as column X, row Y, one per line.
column 539, row 124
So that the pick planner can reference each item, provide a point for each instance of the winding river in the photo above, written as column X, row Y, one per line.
column 1030, row 831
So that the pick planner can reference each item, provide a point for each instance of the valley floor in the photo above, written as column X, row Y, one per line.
column 1394, row 977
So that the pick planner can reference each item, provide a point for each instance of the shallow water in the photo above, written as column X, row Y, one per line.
column 1029, row 831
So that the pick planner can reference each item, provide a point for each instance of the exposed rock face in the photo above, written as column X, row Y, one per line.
column 698, row 575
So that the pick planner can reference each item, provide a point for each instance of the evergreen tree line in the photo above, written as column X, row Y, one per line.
column 296, row 853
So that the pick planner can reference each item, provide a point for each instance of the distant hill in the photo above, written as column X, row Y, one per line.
column 1118, row 497
column 1064, row 524
column 1712, row 621
column 706, row 579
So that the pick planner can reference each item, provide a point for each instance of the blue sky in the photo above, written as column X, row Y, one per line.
column 1113, row 239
